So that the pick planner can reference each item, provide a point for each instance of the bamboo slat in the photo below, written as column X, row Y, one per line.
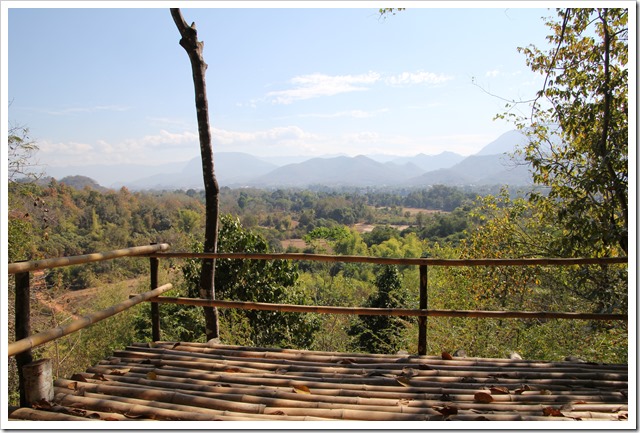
column 60, row 331
column 243, row 305
column 170, row 381
column 15, row 268
column 398, row 261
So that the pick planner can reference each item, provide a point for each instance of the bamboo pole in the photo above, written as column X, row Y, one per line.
column 15, row 268
column 389, row 311
column 422, row 320
column 400, row 261
column 307, row 359
column 155, row 308
column 23, row 329
column 29, row 414
column 143, row 407
column 60, row 331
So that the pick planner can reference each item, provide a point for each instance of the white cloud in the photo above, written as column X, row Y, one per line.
column 356, row 114
column 318, row 85
column 420, row 77
column 157, row 148
column 285, row 138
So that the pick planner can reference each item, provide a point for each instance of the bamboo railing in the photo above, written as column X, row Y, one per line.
column 21, row 348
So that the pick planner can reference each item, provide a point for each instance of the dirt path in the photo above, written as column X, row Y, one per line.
column 70, row 302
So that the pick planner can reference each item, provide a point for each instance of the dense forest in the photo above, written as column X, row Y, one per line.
column 580, row 209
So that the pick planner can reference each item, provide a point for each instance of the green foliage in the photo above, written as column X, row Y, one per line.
column 383, row 334
column 257, row 281
column 578, row 130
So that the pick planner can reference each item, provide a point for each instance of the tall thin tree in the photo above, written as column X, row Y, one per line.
column 193, row 47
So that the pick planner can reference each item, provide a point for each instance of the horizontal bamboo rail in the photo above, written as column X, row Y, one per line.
column 15, row 268
column 387, row 311
column 60, row 331
column 399, row 261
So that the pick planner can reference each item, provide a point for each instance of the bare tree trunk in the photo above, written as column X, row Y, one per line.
column 193, row 47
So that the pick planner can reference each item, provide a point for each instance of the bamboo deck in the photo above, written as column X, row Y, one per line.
column 204, row 382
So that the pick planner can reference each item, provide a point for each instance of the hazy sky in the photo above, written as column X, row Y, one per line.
column 112, row 84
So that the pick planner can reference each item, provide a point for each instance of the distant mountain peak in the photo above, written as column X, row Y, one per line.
column 506, row 143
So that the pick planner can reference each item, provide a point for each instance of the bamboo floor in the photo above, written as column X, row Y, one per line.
column 207, row 382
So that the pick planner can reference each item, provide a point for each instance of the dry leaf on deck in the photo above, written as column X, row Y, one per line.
column 522, row 389
column 499, row 390
column 447, row 356
column 408, row 372
column 78, row 377
column 447, row 410
column 41, row 404
column 301, row 389
column 550, row 411
column 403, row 381
column 482, row 397
column 99, row 376
column 152, row 375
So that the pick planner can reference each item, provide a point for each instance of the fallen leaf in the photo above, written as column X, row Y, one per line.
column 483, row 397
column 282, row 371
column 131, row 416
column 99, row 376
column 278, row 412
column 119, row 372
column 78, row 377
column 232, row 370
column 80, row 391
column 447, row 410
column 445, row 397
column 522, row 389
column 408, row 372
column 73, row 385
column 110, row 418
column 545, row 392
column 447, row 356
column 41, row 404
column 499, row 390
column 152, row 375
column 550, row 411
column 93, row 415
column 468, row 380
column 403, row 401
column 403, row 381
column 301, row 389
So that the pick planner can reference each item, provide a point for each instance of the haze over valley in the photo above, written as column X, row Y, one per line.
column 492, row 165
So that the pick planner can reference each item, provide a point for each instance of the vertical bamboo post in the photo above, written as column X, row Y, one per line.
column 155, row 307
column 38, row 377
column 23, row 328
column 422, row 320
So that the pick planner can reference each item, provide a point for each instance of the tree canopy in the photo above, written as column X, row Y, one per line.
column 578, row 129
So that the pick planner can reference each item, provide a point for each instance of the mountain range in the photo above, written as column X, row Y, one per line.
column 490, row 166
